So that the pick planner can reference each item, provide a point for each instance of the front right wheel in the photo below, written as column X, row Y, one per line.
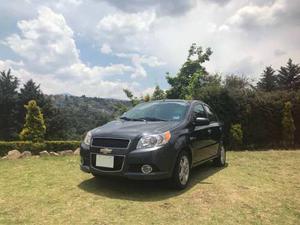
column 181, row 173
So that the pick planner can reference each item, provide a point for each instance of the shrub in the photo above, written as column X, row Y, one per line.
column 34, row 128
column 288, row 126
column 35, row 148
column 236, row 136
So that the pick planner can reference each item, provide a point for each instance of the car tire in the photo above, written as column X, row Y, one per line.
column 181, row 172
column 220, row 161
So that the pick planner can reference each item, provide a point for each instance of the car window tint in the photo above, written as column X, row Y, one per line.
column 211, row 116
column 199, row 111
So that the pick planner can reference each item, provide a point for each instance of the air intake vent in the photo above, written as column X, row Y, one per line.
column 110, row 142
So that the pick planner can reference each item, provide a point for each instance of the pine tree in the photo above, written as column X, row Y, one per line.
column 268, row 82
column 289, row 76
column 34, row 128
column 8, row 105
column 158, row 94
column 288, row 126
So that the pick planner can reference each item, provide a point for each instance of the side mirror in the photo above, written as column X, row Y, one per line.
column 201, row 121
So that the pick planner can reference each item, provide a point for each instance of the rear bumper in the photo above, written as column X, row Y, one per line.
column 161, row 159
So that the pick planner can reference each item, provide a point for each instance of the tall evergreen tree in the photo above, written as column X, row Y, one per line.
column 29, row 91
column 192, row 67
column 289, row 76
column 53, row 117
column 268, row 81
column 8, row 105
column 158, row 94
column 34, row 128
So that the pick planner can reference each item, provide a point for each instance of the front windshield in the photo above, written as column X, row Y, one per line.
column 157, row 111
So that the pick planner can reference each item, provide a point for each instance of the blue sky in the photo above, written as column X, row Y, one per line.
column 99, row 47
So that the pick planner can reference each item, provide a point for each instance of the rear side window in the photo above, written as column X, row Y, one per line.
column 199, row 111
column 210, row 114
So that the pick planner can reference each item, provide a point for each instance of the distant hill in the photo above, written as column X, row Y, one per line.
column 77, row 115
column 91, row 104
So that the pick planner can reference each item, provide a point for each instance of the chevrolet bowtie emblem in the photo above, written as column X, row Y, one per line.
column 105, row 150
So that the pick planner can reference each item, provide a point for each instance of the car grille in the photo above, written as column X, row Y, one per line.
column 118, row 163
column 110, row 143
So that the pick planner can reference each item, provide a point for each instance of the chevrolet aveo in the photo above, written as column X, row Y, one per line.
column 155, row 140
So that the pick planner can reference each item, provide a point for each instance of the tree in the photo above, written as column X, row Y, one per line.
column 191, row 68
column 34, row 128
column 53, row 118
column 158, row 94
column 236, row 136
column 202, row 83
column 134, row 100
column 288, row 126
column 236, row 82
column 8, row 105
column 268, row 81
column 29, row 91
column 146, row 98
column 289, row 76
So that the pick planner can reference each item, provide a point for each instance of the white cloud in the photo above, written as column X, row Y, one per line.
column 254, row 15
column 47, row 41
column 138, row 61
column 50, row 57
column 106, row 49
column 126, row 24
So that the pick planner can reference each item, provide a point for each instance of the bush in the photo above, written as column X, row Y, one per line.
column 35, row 148
column 288, row 127
column 236, row 136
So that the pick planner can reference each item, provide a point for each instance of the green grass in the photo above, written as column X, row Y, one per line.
column 255, row 188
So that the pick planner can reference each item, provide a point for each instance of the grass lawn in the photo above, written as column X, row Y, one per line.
column 255, row 188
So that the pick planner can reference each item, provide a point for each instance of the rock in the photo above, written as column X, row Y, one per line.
column 25, row 154
column 66, row 152
column 44, row 153
column 54, row 154
column 77, row 151
column 13, row 154
column 4, row 157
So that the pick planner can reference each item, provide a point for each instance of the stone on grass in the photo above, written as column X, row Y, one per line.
column 13, row 154
column 25, row 154
column 44, row 153
column 4, row 157
column 54, row 154
column 77, row 151
column 66, row 152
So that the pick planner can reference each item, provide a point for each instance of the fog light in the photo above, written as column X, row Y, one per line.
column 146, row 169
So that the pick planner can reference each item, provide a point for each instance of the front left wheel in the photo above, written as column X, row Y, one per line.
column 220, row 161
column 181, row 173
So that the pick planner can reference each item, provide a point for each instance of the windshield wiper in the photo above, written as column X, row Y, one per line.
column 130, row 119
column 150, row 119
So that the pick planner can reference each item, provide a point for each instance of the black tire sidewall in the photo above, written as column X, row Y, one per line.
column 175, row 178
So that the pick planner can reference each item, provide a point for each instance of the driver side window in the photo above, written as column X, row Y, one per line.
column 199, row 111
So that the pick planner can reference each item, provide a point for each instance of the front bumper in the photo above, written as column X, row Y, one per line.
column 161, row 159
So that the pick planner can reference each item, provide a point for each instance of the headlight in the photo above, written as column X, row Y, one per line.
column 87, row 139
column 155, row 140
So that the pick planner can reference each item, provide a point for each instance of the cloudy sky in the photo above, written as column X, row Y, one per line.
column 99, row 47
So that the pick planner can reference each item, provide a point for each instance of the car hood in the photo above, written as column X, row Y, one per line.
column 132, row 129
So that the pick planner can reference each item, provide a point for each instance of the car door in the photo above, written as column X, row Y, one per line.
column 199, row 136
column 214, row 132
